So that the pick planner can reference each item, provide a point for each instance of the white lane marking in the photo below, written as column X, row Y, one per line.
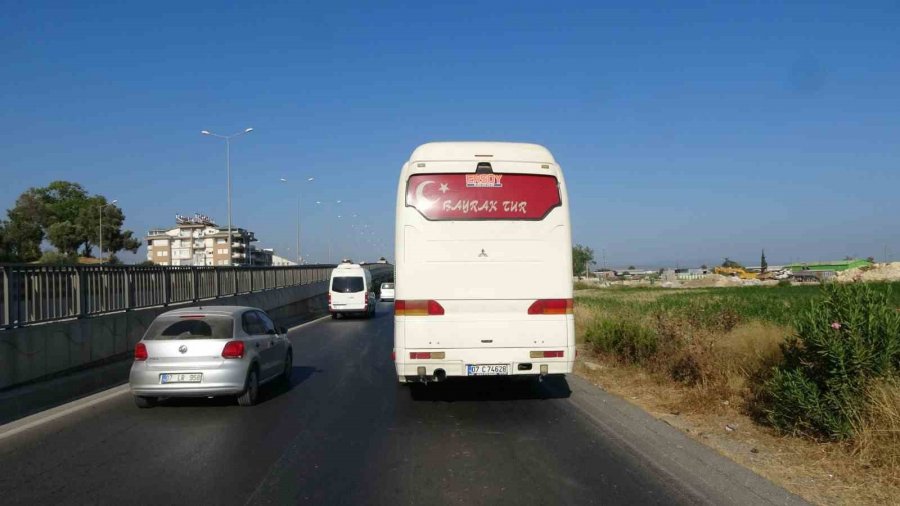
column 38, row 419
column 295, row 327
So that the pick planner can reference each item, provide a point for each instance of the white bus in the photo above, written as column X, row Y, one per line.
column 483, row 263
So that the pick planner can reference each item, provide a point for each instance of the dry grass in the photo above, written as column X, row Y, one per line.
column 727, row 366
column 822, row 473
column 877, row 442
column 706, row 373
column 717, row 357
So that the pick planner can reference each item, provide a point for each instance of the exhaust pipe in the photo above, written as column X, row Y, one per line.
column 440, row 375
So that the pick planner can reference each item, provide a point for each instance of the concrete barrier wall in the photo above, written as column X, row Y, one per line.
column 39, row 351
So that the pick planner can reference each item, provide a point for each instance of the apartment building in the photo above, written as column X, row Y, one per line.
column 197, row 240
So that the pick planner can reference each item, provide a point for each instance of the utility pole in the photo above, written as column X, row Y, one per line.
column 299, row 214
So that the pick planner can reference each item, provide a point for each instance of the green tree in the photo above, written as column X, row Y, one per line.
column 65, row 236
column 22, row 233
column 631, row 267
column 6, row 254
column 114, row 238
column 66, row 215
column 763, row 265
column 581, row 257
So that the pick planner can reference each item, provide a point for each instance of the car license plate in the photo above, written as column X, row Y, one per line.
column 487, row 369
column 192, row 377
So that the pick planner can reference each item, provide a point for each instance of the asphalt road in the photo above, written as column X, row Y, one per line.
column 344, row 432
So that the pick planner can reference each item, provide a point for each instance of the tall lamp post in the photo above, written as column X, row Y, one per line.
column 319, row 203
column 299, row 214
column 228, row 172
column 101, row 208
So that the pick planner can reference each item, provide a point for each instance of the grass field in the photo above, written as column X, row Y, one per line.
column 713, row 350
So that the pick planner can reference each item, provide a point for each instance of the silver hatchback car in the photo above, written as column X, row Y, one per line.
column 209, row 351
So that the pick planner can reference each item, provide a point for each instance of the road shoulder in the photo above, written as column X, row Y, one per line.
column 688, row 464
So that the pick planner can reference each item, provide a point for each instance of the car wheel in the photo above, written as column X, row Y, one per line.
column 144, row 402
column 251, row 392
column 288, row 367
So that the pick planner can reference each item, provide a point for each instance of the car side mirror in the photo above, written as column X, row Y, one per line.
column 282, row 330
column 271, row 332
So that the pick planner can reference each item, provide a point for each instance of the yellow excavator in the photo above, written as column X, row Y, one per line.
column 736, row 272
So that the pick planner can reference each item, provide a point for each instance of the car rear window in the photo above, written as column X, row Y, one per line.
column 460, row 196
column 347, row 284
column 205, row 327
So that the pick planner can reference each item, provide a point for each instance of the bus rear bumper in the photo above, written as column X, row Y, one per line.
column 456, row 363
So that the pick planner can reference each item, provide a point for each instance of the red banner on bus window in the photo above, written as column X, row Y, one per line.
column 482, row 196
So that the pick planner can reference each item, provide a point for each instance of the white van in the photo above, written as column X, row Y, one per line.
column 350, row 291
column 483, row 263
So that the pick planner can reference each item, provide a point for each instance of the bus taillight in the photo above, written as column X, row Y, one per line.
column 417, row 308
column 551, row 306
column 546, row 354
column 425, row 355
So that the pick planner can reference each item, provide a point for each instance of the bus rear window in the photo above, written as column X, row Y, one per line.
column 482, row 196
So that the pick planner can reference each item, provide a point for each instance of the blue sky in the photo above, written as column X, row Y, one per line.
column 687, row 134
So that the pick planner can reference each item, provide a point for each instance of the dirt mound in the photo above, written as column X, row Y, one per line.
column 877, row 272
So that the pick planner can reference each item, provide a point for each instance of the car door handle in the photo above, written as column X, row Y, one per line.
column 257, row 345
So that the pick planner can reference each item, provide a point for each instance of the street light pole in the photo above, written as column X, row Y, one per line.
column 299, row 214
column 101, row 226
column 330, row 260
column 228, row 176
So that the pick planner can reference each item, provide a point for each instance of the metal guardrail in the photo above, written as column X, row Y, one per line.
column 42, row 293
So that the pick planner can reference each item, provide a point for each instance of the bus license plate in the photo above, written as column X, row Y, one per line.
column 194, row 377
column 488, row 369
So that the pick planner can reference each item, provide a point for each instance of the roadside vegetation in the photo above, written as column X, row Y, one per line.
column 820, row 363
column 65, row 215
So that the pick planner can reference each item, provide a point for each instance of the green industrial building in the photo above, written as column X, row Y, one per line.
column 841, row 265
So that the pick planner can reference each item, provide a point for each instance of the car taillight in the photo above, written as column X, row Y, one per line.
column 393, row 355
column 551, row 306
column 425, row 355
column 329, row 299
column 233, row 349
column 140, row 352
column 417, row 308
column 547, row 354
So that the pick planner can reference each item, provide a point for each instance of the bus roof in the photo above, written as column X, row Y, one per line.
column 482, row 152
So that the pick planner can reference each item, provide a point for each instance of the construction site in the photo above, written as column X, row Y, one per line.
column 842, row 271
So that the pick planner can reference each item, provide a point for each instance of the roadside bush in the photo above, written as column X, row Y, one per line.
column 56, row 258
column 841, row 343
column 626, row 339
